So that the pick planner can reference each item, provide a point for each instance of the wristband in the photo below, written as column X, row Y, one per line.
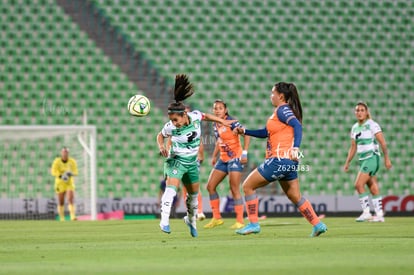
column 244, row 154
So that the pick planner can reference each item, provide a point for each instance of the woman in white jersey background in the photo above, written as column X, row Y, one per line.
column 365, row 136
column 184, row 130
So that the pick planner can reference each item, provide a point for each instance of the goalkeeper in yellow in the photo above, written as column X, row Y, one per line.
column 63, row 169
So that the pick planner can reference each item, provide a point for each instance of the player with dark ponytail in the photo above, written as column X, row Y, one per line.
column 284, row 134
column 292, row 97
column 184, row 129
column 183, row 89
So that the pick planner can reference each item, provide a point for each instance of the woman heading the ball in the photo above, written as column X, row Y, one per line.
column 231, row 160
column 283, row 131
column 184, row 128
column 200, row 158
column 364, row 136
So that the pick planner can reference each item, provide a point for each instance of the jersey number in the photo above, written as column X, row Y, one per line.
column 191, row 136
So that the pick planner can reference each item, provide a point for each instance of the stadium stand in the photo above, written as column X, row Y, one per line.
column 336, row 52
column 53, row 72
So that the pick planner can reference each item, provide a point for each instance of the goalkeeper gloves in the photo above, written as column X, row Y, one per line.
column 65, row 176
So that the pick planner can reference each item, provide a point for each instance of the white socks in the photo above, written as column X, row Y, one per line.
column 364, row 201
column 167, row 201
column 166, row 204
column 377, row 202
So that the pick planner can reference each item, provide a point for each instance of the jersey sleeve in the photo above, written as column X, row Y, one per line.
column 351, row 133
column 198, row 115
column 259, row 133
column 166, row 131
column 286, row 115
column 375, row 128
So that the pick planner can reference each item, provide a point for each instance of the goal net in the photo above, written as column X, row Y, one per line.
column 26, row 155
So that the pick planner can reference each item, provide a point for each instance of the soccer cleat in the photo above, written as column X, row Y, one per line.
column 249, row 229
column 192, row 226
column 318, row 229
column 201, row 216
column 213, row 223
column 165, row 228
column 364, row 217
column 377, row 219
column 237, row 225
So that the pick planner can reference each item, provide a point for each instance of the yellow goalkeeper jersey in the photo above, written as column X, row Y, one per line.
column 59, row 167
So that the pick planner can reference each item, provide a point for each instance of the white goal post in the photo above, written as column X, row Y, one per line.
column 26, row 155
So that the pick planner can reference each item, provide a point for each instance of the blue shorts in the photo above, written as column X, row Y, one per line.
column 233, row 165
column 273, row 169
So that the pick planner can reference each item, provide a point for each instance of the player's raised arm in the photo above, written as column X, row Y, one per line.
column 210, row 117
column 259, row 133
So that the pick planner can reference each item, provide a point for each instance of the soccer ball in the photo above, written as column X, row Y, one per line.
column 139, row 105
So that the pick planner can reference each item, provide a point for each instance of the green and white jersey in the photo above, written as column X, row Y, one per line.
column 185, row 141
column 364, row 136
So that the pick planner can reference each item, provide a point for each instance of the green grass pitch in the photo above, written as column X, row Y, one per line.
column 139, row 247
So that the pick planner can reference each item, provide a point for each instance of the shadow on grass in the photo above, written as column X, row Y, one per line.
column 271, row 224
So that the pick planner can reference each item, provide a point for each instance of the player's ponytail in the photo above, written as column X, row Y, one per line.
column 182, row 90
column 294, row 102
column 291, row 96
